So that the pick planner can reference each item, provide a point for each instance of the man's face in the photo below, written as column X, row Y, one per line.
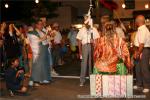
column 3, row 25
column 87, row 26
column 16, row 63
column 25, row 28
column 56, row 28
column 43, row 21
column 137, row 21
column 39, row 25
column 109, row 27
column 73, row 28
column 140, row 20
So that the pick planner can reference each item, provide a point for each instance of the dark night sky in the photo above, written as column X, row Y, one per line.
column 21, row 9
column 17, row 9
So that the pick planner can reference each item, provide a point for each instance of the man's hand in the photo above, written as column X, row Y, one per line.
column 80, row 54
column 138, row 53
column 80, row 48
column 27, row 74
column 19, row 72
column 13, row 26
column 43, row 38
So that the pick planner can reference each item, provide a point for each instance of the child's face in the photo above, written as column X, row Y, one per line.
column 16, row 63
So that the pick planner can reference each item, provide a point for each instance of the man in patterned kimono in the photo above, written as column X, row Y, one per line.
column 40, row 68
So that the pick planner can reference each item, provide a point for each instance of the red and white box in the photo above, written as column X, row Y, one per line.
column 111, row 85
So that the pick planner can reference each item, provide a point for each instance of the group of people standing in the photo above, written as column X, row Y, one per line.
column 36, row 47
column 103, row 51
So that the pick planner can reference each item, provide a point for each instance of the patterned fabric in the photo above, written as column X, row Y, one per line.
column 40, row 67
column 98, row 85
column 111, row 85
column 123, row 85
column 106, row 54
column 117, row 85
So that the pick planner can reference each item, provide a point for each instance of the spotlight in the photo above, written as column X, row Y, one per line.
column 6, row 5
column 36, row 1
column 146, row 6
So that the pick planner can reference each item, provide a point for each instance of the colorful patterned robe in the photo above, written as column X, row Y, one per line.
column 106, row 54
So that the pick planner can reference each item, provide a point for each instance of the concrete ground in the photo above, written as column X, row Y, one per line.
column 61, row 88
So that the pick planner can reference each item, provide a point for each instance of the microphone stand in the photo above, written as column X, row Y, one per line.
column 92, row 39
column 92, row 51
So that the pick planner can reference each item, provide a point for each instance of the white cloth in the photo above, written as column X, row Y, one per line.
column 120, row 32
column 57, row 37
column 142, row 36
column 34, row 43
column 85, row 35
column 44, row 30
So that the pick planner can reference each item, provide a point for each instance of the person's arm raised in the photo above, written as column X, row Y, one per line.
column 43, row 38
column 18, row 33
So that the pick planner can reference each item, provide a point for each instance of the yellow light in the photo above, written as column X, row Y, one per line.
column 146, row 6
column 78, row 26
column 6, row 5
column 36, row 1
column 123, row 6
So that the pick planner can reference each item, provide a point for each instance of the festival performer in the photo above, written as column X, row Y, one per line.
column 109, row 50
column 40, row 68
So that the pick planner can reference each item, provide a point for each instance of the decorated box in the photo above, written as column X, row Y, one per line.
column 111, row 85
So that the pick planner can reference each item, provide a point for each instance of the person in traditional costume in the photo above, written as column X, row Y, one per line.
column 109, row 51
column 40, row 68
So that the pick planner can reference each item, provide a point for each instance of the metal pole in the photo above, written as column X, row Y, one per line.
column 92, row 48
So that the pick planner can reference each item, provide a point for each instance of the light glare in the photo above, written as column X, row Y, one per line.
column 146, row 6
column 36, row 1
column 6, row 5
column 123, row 5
